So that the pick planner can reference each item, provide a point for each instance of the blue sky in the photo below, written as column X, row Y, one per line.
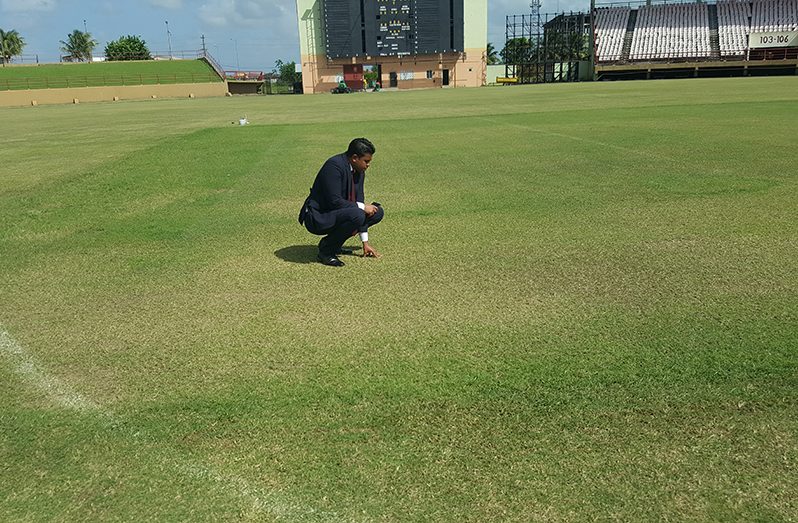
column 261, row 31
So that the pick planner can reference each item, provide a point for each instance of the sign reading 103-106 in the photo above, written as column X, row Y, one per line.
column 774, row 39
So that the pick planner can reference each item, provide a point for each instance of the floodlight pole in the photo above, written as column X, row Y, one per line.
column 168, row 38
column 86, row 33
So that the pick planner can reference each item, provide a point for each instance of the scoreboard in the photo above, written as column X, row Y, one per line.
column 392, row 27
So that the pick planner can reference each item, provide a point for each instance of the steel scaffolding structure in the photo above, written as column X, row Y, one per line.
column 547, row 48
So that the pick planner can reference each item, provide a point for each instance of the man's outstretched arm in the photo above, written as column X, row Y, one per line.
column 368, row 250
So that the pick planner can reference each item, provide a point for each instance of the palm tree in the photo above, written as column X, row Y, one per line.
column 492, row 54
column 78, row 46
column 11, row 44
column 517, row 51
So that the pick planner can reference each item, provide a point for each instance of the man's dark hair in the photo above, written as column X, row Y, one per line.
column 360, row 147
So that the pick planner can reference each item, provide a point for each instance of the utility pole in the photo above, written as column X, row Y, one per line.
column 86, row 32
column 204, row 50
column 169, row 38
column 238, row 64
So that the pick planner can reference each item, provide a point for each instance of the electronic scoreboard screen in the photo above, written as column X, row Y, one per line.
column 392, row 27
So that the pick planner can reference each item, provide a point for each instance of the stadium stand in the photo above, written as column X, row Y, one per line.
column 774, row 15
column 671, row 31
column 733, row 27
column 611, row 25
column 689, row 30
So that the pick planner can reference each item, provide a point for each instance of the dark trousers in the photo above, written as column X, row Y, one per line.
column 340, row 225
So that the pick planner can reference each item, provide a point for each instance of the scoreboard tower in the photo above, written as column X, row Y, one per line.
column 409, row 43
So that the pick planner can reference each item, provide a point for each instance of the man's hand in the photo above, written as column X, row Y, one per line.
column 370, row 210
column 369, row 252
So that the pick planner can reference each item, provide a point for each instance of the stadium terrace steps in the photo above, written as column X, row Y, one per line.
column 714, row 44
column 630, row 31
column 714, row 40
column 214, row 65
column 712, row 10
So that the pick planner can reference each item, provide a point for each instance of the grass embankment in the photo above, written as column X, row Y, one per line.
column 100, row 74
column 586, row 308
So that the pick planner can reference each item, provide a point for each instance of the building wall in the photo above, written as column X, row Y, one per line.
column 476, row 24
column 107, row 94
column 496, row 71
column 466, row 69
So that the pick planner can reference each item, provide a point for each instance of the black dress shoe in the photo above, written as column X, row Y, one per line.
column 345, row 250
column 332, row 261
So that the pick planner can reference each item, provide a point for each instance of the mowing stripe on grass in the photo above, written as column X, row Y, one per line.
column 60, row 394
column 644, row 153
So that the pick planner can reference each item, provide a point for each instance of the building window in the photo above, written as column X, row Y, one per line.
column 429, row 75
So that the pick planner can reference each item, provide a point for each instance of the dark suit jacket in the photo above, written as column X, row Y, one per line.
column 331, row 190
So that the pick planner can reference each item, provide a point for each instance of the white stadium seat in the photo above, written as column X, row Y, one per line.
column 681, row 30
column 610, row 31
column 671, row 31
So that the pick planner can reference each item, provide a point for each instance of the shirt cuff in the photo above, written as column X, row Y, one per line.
column 361, row 205
column 364, row 237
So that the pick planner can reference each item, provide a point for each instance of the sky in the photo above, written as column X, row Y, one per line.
column 240, row 34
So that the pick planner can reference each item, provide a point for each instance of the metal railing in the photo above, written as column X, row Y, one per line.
column 666, row 56
column 786, row 53
column 782, row 53
column 641, row 3
column 258, row 76
column 191, row 54
column 213, row 63
column 65, row 82
column 21, row 59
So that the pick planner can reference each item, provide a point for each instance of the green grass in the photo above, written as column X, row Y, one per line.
column 106, row 74
column 585, row 310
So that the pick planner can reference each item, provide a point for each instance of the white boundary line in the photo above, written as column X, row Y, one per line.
column 31, row 374
column 25, row 367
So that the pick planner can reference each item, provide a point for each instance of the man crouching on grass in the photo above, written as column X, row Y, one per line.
column 335, row 207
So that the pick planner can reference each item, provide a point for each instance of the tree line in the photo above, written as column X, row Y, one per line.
column 79, row 46
column 556, row 47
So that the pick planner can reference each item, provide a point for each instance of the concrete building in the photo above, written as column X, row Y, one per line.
column 324, row 64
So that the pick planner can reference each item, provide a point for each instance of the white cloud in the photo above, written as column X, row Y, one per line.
column 18, row 6
column 167, row 4
column 244, row 13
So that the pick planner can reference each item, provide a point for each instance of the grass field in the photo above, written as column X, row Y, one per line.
column 586, row 308
column 106, row 74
